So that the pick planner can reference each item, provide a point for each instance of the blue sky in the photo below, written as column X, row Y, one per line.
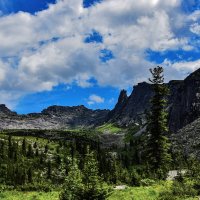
column 83, row 52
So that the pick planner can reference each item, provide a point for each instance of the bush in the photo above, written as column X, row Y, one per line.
column 135, row 178
column 185, row 188
column 147, row 182
column 85, row 185
column 179, row 190
column 43, row 187
column 73, row 188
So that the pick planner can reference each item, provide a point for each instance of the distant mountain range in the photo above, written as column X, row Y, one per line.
column 183, row 107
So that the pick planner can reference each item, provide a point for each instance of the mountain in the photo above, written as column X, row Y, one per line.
column 54, row 117
column 183, row 107
column 183, row 103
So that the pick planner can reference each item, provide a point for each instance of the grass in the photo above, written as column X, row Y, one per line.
column 14, row 195
column 131, row 193
column 142, row 193
column 110, row 128
column 139, row 193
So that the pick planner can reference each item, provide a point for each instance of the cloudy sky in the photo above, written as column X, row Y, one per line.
column 73, row 52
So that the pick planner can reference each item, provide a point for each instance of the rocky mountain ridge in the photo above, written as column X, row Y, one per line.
column 183, row 103
column 183, row 108
column 54, row 117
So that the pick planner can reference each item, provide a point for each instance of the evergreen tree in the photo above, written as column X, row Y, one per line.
column 49, row 169
column 24, row 147
column 2, row 149
column 30, row 175
column 10, row 147
column 73, row 188
column 35, row 145
column 85, row 185
column 46, row 148
column 58, row 160
column 94, row 188
column 15, row 151
column 158, row 156
column 36, row 152
column 30, row 152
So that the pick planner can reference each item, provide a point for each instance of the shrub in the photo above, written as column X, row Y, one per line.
column 147, row 182
column 179, row 190
column 43, row 187
column 73, row 188
column 86, row 185
column 135, row 178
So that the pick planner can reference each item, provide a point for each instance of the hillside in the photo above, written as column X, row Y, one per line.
column 54, row 117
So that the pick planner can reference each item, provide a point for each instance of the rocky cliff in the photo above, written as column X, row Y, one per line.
column 54, row 117
column 183, row 103
column 131, row 109
column 188, row 139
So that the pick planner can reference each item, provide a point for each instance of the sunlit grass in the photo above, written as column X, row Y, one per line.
column 14, row 195
column 110, row 128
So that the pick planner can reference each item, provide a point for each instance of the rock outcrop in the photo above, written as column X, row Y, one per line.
column 183, row 103
column 132, row 110
column 187, row 139
column 4, row 111
column 54, row 117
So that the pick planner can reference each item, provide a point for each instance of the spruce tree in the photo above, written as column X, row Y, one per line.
column 10, row 147
column 30, row 175
column 73, row 188
column 30, row 152
column 46, row 148
column 49, row 170
column 158, row 157
column 24, row 147
column 94, row 188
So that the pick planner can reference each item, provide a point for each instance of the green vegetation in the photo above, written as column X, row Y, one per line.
column 131, row 193
column 109, row 128
column 74, row 165
column 157, row 153
column 16, row 195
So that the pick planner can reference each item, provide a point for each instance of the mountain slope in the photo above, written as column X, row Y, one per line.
column 54, row 117
column 183, row 107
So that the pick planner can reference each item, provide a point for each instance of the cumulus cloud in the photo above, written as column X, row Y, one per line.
column 38, row 52
column 93, row 99
column 195, row 28
column 185, row 65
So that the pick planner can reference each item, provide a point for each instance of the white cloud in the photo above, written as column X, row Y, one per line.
column 31, row 60
column 195, row 28
column 186, row 66
column 93, row 99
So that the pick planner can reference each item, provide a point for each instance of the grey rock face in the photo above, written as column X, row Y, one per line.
column 188, row 139
column 186, row 102
column 54, row 117
column 183, row 107
column 4, row 111
column 132, row 108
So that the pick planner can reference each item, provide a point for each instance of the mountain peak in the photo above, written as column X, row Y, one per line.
column 64, row 109
column 194, row 76
column 5, row 110
column 122, row 97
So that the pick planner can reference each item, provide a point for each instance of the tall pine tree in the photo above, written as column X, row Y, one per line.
column 158, row 157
